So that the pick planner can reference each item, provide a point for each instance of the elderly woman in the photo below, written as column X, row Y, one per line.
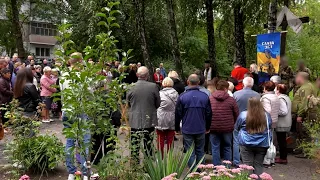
column 166, row 114
column 47, row 89
column 271, row 105
column 284, row 123
column 157, row 77
column 177, row 84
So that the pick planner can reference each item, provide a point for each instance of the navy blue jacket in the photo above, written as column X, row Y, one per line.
column 194, row 109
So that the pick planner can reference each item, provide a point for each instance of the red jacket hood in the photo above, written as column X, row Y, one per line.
column 220, row 95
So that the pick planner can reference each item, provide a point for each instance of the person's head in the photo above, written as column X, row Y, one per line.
column 281, row 89
column 139, row 64
column 236, row 64
column 54, row 72
column 207, row 64
column 301, row 78
column 45, row 61
column 7, row 58
column 269, row 86
column 47, row 71
column 32, row 62
column 33, row 69
column 30, row 57
column 276, row 79
column 3, row 63
column 193, row 80
column 284, row 61
column 161, row 65
column 158, row 70
column 173, row 74
column 5, row 73
column 248, row 82
column 134, row 67
column 143, row 73
column 211, row 85
column 116, row 64
column 201, row 77
column 38, row 68
column 247, row 75
column 15, row 57
column 24, row 76
column 222, row 85
column 167, row 82
column 231, row 86
column 301, row 65
column 256, row 118
column 254, row 68
column 75, row 58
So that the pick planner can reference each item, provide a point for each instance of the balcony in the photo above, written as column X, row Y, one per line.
column 45, row 40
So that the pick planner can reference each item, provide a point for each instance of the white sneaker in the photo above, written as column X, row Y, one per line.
column 71, row 177
column 94, row 176
column 45, row 120
column 51, row 120
column 85, row 178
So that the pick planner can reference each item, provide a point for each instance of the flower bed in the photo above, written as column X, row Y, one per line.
column 222, row 172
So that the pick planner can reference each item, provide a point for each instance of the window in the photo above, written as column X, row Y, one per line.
column 43, row 52
column 43, row 29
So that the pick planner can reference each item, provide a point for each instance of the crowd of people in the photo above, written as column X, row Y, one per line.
column 236, row 119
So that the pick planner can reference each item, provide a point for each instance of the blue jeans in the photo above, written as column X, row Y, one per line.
column 70, row 145
column 215, row 139
column 236, row 148
column 198, row 140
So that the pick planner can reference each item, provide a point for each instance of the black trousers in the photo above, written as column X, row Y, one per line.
column 282, row 143
column 138, row 135
column 109, row 145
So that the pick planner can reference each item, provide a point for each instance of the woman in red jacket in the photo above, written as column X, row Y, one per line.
column 158, row 78
column 224, row 115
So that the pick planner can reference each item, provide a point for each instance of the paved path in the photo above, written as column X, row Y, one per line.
column 297, row 169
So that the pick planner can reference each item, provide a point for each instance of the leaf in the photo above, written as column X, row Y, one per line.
column 101, row 15
column 115, row 25
column 115, row 12
column 103, row 23
column 106, row 9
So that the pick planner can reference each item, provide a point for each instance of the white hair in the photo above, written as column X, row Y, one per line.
column 276, row 79
column 254, row 68
column 167, row 82
column 173, row 74
column 143, row 72
column 231, row 86
column 158, row 69
column 248, row 82
column 47, row 69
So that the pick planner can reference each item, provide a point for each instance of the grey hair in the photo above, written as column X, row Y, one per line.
column 143, row 72
column 248, row 82
column 276, row 79
column 194, row 79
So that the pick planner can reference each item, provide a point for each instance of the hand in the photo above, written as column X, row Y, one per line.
column 207, row 132
column 178, row 132
column 309, row 97
column 299, row 119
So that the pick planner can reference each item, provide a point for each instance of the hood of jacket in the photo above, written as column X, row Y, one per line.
column 220, row 95
column 172, row 93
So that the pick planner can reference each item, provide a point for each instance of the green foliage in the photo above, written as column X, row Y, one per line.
column 29, row 150
column 174, row 161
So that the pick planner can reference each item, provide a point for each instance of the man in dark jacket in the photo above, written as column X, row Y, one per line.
column 5, row 91
column 224, row 115
column 193, row 108
column 143, row 100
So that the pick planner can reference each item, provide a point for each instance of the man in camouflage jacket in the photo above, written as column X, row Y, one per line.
column 286, row 73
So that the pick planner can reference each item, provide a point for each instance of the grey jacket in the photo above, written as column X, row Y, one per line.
column 285, row 119
column 166, row 111
column 143, row 99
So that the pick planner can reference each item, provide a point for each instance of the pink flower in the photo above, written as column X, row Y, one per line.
column 167, row 178
column 243, row 166
column 265, row 176
column 213, row 174
column 206, row 178
column 222, row 170
column 250, row 168
column 226, row 162
column 230, row 175
column 254, row 176
column 201, row 166
column 236, row 171
column 209, row 166
column 203, row 173
column 220, row 167
column 24, row 177
column 173, row 174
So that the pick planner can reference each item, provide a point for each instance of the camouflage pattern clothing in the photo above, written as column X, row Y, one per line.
column 307, row 70
column 313, row 101
column 287, row 77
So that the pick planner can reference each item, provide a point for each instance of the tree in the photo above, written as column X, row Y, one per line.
column 240, row 50
column 211, row 40
column 174, row 37
column 140, row 20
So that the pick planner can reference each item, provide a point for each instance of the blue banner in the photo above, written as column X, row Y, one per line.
column 268, row 55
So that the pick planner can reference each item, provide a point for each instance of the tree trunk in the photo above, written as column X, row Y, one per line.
column 17, row 28
column 284, row 34
column 139, row 9
column 272, row 18
column 240, row 47
column 211, row 41
column 174, row 38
